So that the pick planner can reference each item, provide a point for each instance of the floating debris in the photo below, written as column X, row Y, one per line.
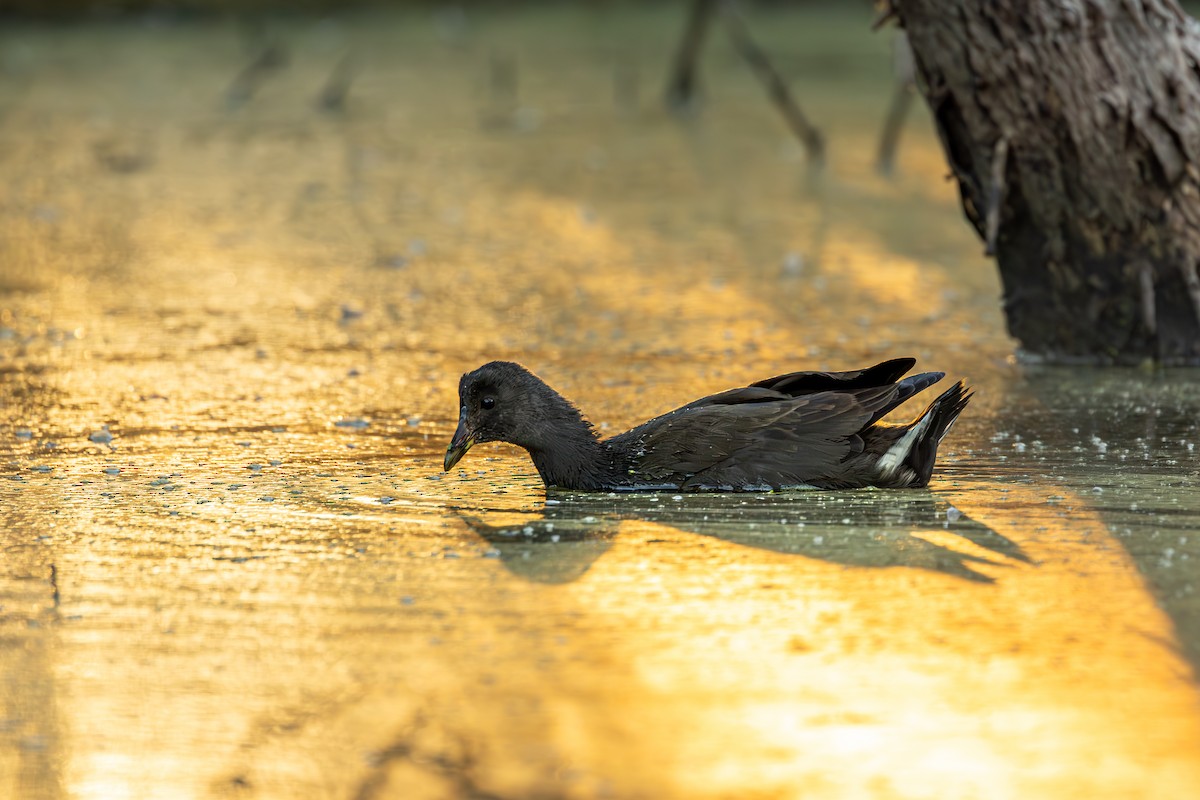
column 357, row 423
column 793, row 264
column 391, row 260
column 103, row 436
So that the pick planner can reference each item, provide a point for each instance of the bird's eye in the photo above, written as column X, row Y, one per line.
column 488, row 403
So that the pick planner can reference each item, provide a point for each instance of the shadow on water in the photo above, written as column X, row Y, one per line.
column 1127, row 439
column 867, row 529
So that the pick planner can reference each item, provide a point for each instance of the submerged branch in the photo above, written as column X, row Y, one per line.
column 777, row 88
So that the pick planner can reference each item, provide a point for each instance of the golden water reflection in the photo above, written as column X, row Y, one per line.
column 679, row 662
column 262, row 585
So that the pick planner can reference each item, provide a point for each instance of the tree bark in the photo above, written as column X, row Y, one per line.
column 1073, row 129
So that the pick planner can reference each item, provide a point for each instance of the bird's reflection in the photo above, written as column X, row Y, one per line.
column 862, row 529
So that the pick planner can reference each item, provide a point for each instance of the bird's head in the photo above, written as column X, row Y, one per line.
column 501, row 402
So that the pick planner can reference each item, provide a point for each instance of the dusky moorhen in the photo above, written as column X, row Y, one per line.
column 803, row 429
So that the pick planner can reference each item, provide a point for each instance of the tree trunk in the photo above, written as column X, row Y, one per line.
column 1073, row 129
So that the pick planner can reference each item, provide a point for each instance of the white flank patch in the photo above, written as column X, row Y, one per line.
column 894, row 457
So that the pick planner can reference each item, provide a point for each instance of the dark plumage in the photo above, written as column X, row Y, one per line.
column 803, row 429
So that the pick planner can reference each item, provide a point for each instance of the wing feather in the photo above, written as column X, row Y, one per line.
column 798, row 383
column 754, row 436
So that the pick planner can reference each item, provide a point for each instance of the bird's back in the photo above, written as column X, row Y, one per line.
column 798, row 429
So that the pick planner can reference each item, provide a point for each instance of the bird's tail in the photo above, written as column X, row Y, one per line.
column 916, row 448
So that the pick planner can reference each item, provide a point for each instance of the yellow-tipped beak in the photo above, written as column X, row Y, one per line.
column 459, row 445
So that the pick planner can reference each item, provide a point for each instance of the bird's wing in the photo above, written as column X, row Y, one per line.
column 753, row 436
column 799, row 383
column 795, row 384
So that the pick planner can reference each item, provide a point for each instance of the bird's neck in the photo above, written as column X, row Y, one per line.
column 572, row 456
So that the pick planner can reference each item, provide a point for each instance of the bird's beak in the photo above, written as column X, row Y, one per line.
column 459, row 445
